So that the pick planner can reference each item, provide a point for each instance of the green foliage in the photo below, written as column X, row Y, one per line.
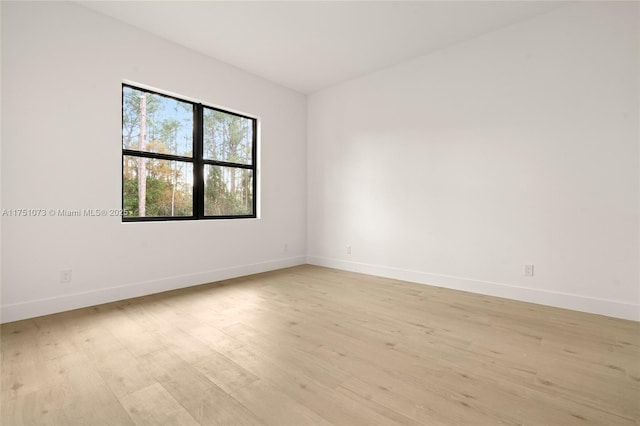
column 164, row 191
column 131, row 116
column 228, row 190
column 130, row 195
column 227, row 137
column 220, row 198
column 169, row 192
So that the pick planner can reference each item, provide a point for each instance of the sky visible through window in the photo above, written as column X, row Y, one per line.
column 169, row 124
column 159, row 165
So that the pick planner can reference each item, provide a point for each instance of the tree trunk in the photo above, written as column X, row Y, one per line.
column 142, row 162
column 173, row 189
column 233, row 182
column 174, row 178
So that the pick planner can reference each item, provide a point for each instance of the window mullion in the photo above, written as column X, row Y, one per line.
column 198, row 167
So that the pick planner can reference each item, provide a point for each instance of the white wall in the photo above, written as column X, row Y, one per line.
column 62, row 66
column 454, row 169
column 521, row 146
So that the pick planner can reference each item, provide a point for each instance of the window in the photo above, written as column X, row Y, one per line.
column 184, row 160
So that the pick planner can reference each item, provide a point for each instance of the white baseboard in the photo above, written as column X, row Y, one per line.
column 67, row 302
column 611, row 308
column 39, row 307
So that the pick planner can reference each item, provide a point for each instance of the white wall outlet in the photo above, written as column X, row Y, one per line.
column 285, row 248
column 528, row 270
column 348, row 249
column 65, row 276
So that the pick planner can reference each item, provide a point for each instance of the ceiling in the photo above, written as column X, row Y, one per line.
column 311, row 45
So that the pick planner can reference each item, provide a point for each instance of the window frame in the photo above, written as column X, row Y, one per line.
column 198, row 160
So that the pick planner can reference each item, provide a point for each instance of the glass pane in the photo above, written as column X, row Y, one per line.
column 165, row 186
column 156, row 123
column 227, row 191
column 227, row 137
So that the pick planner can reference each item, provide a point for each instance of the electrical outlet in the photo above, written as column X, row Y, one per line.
column 65, row 276
column 285, row 248
column 348, row 249
column 528, row 270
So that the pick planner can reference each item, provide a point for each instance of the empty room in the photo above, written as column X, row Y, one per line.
column 320, row 212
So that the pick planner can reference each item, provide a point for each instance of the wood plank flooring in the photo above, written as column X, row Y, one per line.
column 316, row 346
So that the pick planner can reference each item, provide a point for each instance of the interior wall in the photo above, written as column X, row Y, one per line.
column 62, row 69
column 453, row 169
column 518, row 147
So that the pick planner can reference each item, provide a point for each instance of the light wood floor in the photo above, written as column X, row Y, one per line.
column 310, row 345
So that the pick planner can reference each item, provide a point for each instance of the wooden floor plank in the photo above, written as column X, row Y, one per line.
column 311, row 345
column 153, row 405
